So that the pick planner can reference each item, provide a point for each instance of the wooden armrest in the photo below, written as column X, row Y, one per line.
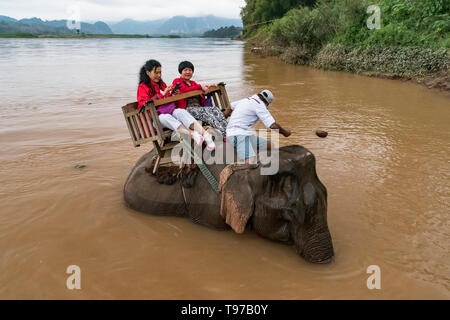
column 182, row 96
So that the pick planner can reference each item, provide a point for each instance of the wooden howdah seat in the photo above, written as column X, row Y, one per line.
column 142, row 131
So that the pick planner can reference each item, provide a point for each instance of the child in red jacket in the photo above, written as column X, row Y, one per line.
column 152, row 87
column 196, row 105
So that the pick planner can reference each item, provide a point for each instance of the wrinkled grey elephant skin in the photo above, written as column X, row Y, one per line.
column 289, row 207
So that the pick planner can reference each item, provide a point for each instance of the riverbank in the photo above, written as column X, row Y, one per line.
column 426, row 66
column 80, row 36
column 394, row 39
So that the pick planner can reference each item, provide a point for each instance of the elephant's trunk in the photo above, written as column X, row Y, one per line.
column 314, row 243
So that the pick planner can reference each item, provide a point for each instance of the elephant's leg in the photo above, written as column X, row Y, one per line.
column 203, row 203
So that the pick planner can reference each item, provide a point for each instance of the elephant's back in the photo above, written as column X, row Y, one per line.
column 142, row 192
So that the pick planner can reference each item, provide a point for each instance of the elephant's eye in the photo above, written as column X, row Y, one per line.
column 287, row 184
column 290, row 189
column 309, row 195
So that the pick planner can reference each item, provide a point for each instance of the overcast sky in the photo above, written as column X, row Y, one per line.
column 116, row 10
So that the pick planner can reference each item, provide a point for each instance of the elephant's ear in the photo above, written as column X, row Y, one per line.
column 237, row 200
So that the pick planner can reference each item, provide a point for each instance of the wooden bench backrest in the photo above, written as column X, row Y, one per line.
column 140, row 124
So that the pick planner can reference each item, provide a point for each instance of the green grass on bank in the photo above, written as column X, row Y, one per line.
column 17, row 35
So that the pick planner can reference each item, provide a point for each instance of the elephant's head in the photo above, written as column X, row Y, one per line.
column 290, row 206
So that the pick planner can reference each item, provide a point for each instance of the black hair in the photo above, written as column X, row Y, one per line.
column 185, row 64
column 150, row 65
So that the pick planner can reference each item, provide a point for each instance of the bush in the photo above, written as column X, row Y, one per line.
column 258, row 12
column 302, row 27
column 424, row 23
column 413, row 40
column 223, row 32
column 398, row 61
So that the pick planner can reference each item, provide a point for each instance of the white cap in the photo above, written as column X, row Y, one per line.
column 267, row 95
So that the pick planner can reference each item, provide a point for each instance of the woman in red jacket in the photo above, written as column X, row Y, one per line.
column 152, row 87
column 196, row 105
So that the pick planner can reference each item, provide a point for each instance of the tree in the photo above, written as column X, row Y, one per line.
column 260, row 11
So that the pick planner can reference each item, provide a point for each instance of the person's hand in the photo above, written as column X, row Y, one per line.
column 205, row 89
column 286, row 133
column 212, row 85
column 176, row 88
column 227, row 112
column 169, row 87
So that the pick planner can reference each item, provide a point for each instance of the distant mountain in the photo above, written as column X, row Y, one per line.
column 223, row 32
column 8, row 19
column 178, row 25
column 130, row 26
column 38, row 26
column 97, row 28
column 33, row 28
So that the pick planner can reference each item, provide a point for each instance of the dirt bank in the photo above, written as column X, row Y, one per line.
column 422, row 65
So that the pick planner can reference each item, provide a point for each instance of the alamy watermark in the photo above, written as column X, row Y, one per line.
column 74, row 280
column 74, row 17
column 374, row 21
column 374, row 281
column 266, row 154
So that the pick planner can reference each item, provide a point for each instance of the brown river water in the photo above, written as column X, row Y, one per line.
column 385, row 163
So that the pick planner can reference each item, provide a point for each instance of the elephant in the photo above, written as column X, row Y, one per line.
column 289, row 206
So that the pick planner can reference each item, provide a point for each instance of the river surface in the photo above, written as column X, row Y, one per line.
column 385, row 163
